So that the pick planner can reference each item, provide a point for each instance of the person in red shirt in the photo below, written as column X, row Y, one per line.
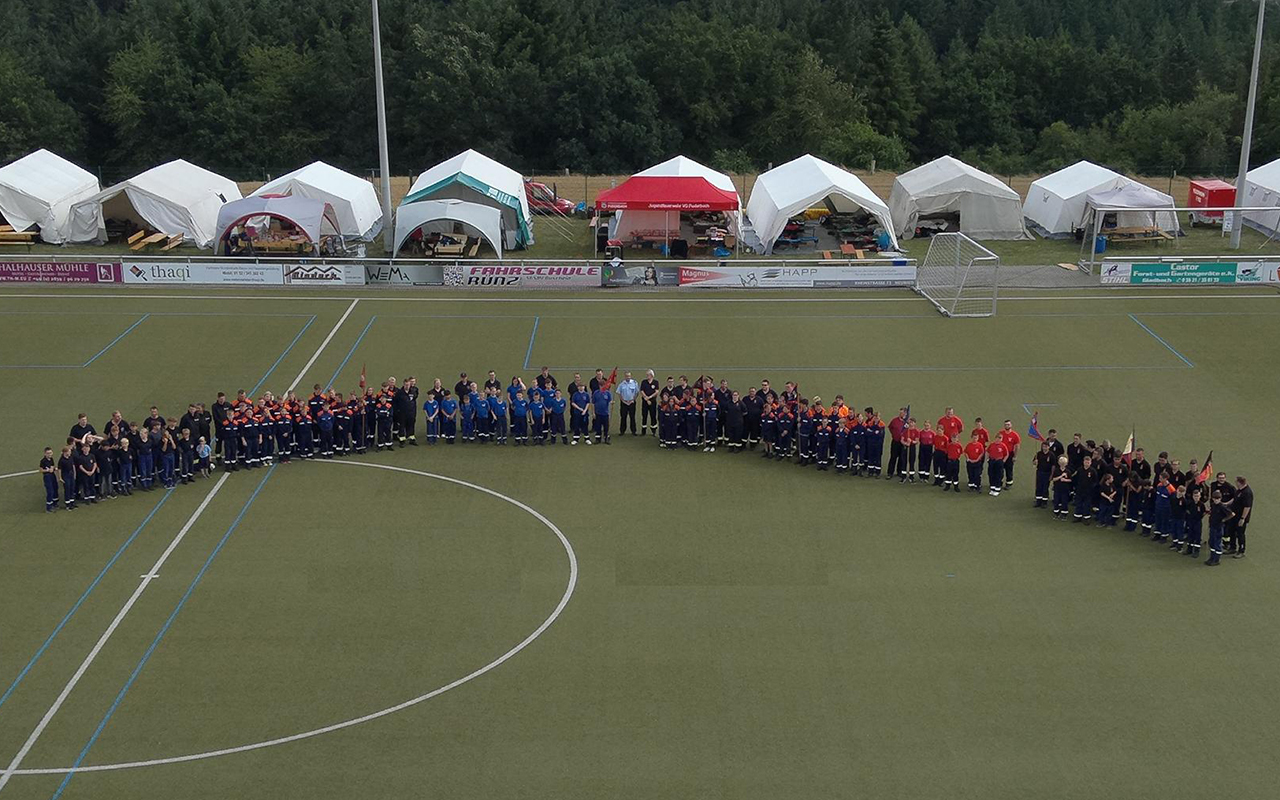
column 1011, row 441
column 897, row 446
column 997, row 453
column 907, row 459
column 954, row 451
column 926, row 438
column 941, row 470
column 981, row 431
column 974, row 452
column 950, row 424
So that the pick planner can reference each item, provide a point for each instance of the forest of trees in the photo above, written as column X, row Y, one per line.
column 248, row 87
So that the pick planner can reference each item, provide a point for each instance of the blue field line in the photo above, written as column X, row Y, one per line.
column 116, row 340
column 67, row 618
column 528, row 354
column 352, row 351
column 1170, row 347
column 163, row 630
column 254, row 391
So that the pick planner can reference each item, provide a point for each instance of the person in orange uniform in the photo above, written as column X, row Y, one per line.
column 954, row 451
column 910, row 444
column 1011, row 441
column 941, row 471
column 980, row 430
column 997, row 454
column 974, row 453
column 950, row 425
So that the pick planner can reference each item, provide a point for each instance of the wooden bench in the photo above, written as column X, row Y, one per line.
column 1137, row 235
column 450, row 249
column 135, row 237
column 142, row 244
column 173, row 242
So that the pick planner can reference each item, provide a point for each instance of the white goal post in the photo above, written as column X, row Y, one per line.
column 958, row 276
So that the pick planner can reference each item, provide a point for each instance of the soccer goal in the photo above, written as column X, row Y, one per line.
column 958, row 276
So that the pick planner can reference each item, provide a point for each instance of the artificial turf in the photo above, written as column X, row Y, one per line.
column 739, row 628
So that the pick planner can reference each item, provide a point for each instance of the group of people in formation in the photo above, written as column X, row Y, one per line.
column 1084, row 481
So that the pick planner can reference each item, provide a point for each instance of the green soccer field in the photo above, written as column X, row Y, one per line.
column 626, row 622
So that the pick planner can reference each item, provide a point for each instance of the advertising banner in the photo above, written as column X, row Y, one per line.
column 217, row 273
column 530, row 276
column 617, row 273
column 815, row 277
column 324, row 274
column 58, row 272
column 404, row 274
column 1188, row 272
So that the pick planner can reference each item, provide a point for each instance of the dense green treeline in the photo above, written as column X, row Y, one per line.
column 248, row 87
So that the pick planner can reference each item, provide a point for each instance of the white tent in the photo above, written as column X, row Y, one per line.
column 987, row 208
column 1136, row 196
column 1058, row 204
column 476, row 178
column 39, row 189
column 1262, row 188
column 454, row 217
column 625, row 222
column 784, row 191
column 353, row 198
column 173, row 198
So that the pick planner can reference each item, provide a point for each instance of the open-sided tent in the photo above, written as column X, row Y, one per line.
column 986, row 207
column 314, row 218
column 1134, row 195
column 476, row 178
column 448, row 216
column 353, row 198
column 654, row 198
column 173, row 198
column 786, row 190
column 39, row 190
column 1262, row 188
column 1058, row 204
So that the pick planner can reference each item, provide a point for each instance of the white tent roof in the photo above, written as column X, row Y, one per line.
column 683, row 167
column 1057, row 204
column 353, row 198
column 1262, row 188
column 39, row 189
column 483, row 220
column 1136, row 196
column 988, row 208
column 173, row 198
column 784, row 191
column 487, row 179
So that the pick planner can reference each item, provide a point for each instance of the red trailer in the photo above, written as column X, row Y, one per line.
column 1210, row 194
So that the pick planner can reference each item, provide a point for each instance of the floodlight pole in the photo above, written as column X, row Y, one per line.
column 384, row 160
column 1246, row 142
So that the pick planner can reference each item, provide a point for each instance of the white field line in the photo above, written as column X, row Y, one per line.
column 555, row 614
column 19, row 474
column 323, row 345
column 151, row 575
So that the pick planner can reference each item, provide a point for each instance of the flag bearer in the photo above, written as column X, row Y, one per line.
column 49, row 473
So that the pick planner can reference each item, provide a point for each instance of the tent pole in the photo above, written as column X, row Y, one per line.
column 384, row 165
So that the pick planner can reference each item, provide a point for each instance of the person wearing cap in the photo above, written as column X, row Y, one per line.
column 628, row 392
column 463, row 387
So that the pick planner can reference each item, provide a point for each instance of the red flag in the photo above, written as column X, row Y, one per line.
column 362, row 377
column 613, row 376
column 1128, row 447
column 1207, row 472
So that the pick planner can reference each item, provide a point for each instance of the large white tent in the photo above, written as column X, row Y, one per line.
column 987, row 208
column 173, row 198
column 353, row 198
column 785, row 191
column 626, row 222
column 1058, row 204
column 1262, row 188
column 1134, row 195
column 39, row 189
column 450, row 216
column 476, row 178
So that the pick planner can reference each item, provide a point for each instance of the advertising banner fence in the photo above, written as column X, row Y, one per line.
column 404, row 274
column 1199, row 273
column 321, row 274
column 59, row 272
column 800, row 277
column 524, row 276
column 204, row 273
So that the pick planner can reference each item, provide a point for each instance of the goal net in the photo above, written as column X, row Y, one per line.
column 958, row 276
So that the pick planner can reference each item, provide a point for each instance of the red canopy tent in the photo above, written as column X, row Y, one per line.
column 667, row 193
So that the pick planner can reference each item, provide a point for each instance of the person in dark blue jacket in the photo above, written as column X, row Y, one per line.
column 602, row 403
column 520, row 418
column 449, row 417
column 555, row 417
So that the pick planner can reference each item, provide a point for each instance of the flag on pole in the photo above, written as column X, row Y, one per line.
column 1128, row 447
column 1034, row 430
column 1207, row 472
column 362, row 377
column 613, row 376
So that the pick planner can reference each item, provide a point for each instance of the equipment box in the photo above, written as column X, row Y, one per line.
column 1210, row 194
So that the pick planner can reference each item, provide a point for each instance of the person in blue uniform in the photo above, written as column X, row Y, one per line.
column 874, row 439
column 86, row 475
column 448, row 417
column 467, row 412
column 499, row 418
column 555, row 417
column 186, row 456
column 431, row 410
column 520, row 418
column 691, row 417
column 1220, row 514
column 822, row 445
column 325, row 424
column 840, row 443
column 284, row 434
column 710, row 422
column 602, row 402
column 49, row 474
column 786, row 420
column 67, row 469
column 1194, row 514
column 768, row 428
column 579, row 408
column 386, row 413
column 537, row 418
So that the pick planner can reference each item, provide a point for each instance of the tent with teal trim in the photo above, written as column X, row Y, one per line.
column 476, row 178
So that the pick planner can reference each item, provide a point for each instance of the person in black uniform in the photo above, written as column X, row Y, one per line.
column 734, row 414
column 86, row 475
column 408, row 405
column 221, row 410
column 546, row 382
column 463, row 387
column 1043, row 461
column 204, row 424
column 753, row 414
column 1055, row 444
column 1085, row 479
column 1241, row 508
column 493, row 383
column 648, row 404
column 67, row 469
column 49, row 473
column 1228, row 491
